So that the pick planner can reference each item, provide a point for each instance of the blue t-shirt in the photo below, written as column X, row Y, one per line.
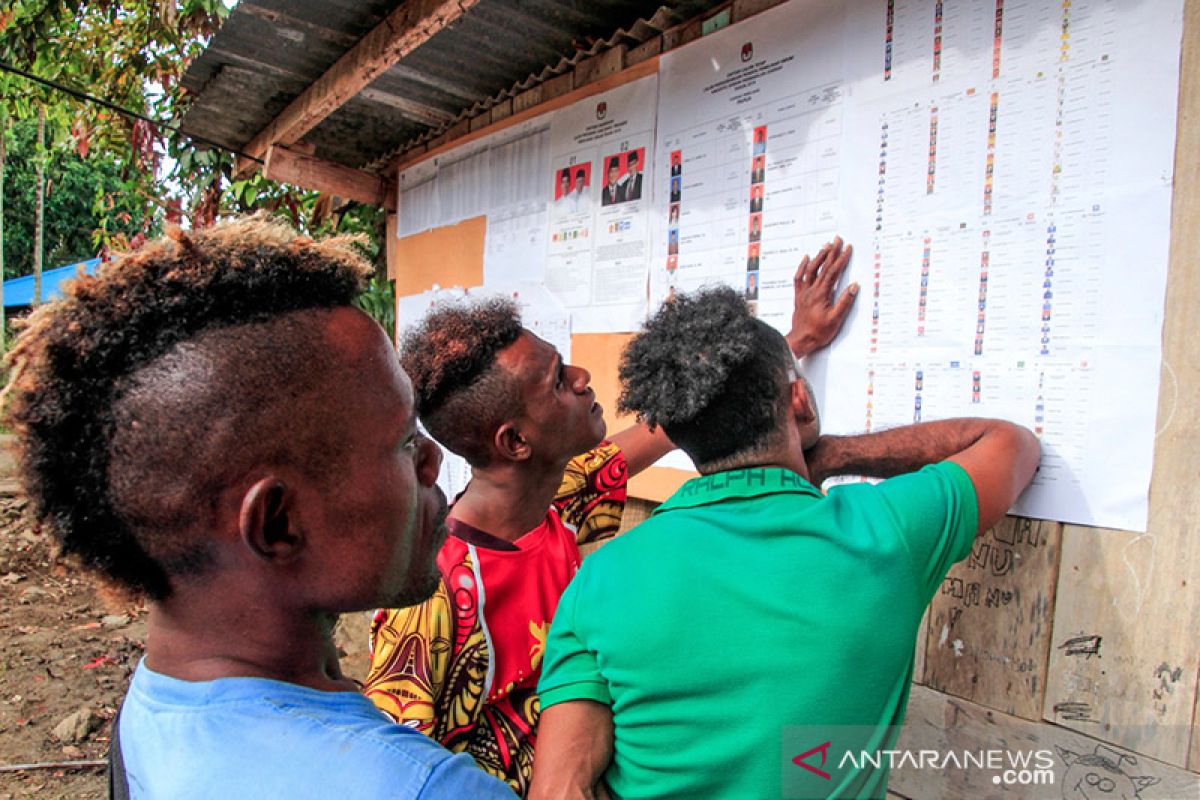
column 259, row 738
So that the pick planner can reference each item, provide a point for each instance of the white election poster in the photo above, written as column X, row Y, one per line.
column 749, row 156
column 601, row 152
column 1004, row 172
column 514, row 247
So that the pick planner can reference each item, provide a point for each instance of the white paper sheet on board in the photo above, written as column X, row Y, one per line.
column 599, row 203
column 1004, row 172
column 517, row 225
column 497, row 175
column 515, row 245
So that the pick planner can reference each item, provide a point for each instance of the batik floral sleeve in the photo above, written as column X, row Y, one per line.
column 591, row 497
column 410, row 651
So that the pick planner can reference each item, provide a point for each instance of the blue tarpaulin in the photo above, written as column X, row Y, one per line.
column 19, row 291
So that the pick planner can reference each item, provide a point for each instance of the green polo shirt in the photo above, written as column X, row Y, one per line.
column 748, row 604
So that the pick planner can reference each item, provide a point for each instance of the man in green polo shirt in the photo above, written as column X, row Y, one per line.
column 686, row 656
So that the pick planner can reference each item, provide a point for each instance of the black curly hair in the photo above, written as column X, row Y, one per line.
column 462, row 394
column 710, row 374
column 129, row 395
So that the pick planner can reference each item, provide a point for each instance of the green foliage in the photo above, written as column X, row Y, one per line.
column 129, row 52
column 85, row 201
column 107, row 175
column 379, row 300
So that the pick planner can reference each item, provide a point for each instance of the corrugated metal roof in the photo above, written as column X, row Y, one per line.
column 269, row 51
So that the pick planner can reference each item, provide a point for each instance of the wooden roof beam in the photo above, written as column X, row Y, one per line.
column 409, row 109
column 310, row 172
column 409, row 26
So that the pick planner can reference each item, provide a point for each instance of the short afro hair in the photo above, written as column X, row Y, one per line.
column 462, row 394
column 710, row 374
column 78, row 358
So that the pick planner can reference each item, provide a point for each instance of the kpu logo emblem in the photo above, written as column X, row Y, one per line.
column 747, row 51
column 601, row 110
column 802, row 759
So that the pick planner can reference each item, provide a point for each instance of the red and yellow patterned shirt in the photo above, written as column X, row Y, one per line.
column 463, row 666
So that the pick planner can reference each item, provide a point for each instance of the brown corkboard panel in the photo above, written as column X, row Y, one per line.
column 600, row 354
column 449, row 256
column 990, row 624
column 658, row 483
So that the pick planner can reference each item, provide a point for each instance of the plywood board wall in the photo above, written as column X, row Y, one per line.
column 939, row 722
column 989, row 632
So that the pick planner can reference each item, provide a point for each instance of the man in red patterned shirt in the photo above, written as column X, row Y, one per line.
column 463, row 666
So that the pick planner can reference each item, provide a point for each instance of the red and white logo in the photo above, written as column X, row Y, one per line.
column 802, row 760
column 601, row 110
column 747, row 51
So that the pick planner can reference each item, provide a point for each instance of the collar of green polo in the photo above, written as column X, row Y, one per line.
column 734, row 483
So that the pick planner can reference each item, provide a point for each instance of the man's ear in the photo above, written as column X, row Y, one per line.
column 511, row 443
column 266, row 521
column 804, row 409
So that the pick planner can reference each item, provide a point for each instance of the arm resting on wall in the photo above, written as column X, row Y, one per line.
column 999, row 457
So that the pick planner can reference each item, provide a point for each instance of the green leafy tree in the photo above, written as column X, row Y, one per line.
column 82, row 196
column 129, row 53
column 133, row 53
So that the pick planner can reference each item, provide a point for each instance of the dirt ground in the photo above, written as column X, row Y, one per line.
column 68, row 649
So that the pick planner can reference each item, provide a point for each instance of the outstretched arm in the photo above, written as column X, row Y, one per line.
column 641, row 446
column 817, row 311
column 999, row 457
column 573, row 750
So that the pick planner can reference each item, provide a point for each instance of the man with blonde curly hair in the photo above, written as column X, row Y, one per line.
column 208, row 421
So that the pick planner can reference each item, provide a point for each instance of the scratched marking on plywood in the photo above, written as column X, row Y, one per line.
column 1082, row 646
column 1059, row 763
column 990, row 624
